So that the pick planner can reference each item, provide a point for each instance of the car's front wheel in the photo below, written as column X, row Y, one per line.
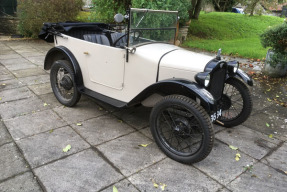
column 236, row 103
column 182, row 129
column 62, row 83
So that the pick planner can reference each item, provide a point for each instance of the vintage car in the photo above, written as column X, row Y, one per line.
column 138, row 63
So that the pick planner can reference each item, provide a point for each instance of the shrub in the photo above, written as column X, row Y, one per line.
column 33, row 13
column 105, row 10
column 182, row 6
column 276, row 38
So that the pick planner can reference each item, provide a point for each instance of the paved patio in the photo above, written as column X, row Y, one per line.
column 105, row 151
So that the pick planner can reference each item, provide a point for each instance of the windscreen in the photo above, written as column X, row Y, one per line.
column 152, row 26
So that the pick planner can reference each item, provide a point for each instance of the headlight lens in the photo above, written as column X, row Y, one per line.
column 207, row 80
column 203, row 78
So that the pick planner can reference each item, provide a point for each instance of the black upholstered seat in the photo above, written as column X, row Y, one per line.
column 122, row 42
column 97, row 38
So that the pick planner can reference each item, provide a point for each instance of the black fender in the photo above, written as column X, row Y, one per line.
column 181, row 87
column 242, row 75
column 63, row 53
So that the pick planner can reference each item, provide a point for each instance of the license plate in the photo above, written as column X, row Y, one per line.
column 215, row 115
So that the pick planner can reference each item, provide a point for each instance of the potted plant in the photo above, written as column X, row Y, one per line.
column 276, row 58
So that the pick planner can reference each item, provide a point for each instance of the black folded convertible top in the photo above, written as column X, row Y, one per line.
column 69, row 28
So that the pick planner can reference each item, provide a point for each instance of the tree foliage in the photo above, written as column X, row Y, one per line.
column 104, row 10
column 33, row 13
column 223, row 5
column 181, row 6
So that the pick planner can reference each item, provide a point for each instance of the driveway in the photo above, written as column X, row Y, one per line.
column 105, row 142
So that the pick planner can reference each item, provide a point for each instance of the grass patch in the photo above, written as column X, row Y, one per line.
column 84, row 16
column 236, row 34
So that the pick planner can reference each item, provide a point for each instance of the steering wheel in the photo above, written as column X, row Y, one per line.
column 114, row 44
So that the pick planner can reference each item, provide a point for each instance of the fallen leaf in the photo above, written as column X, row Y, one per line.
column 253, row 175
column 277, row 96
column 0, row 98
column 155, row 185
column 267, row 125
column 115, row 189
column 79, row 124
column 67, row 148
column 3, row 84
column 270, row 136
column 285, row 172
column 237, row 156
column 100, row 108
column 144, row 145
column 45, row 104
column 232, row 147
column 269, row 99
column 51, row 131
column 120, row 121
column 162, row 186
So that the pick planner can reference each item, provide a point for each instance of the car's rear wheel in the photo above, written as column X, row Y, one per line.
column 62, row 83
column 182, row 129
column 236, row 103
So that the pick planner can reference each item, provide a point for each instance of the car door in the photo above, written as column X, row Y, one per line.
column 106, row 65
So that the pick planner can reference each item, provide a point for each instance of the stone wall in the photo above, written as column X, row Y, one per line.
column 8, row 25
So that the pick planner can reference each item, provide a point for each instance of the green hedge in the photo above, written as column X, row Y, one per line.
column 33, row 13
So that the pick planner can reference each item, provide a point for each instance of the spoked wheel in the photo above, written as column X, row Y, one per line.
column 182, row 129
column 236, row 103
column 62, row 82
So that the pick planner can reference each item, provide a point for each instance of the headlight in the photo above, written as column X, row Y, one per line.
column 203, row 78
column 232, row 66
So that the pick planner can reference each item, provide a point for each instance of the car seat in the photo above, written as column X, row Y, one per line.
column 97, row 38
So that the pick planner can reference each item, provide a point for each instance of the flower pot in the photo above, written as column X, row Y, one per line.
column 279, row 70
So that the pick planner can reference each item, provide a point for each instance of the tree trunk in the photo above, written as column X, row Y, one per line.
column 197, row 10
column 191, row 11
column 252, row 7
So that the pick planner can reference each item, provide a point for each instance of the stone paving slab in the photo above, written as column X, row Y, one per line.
column 20, row 66
column 21, row 107
column 84, row 171
column 41, row 89
column 10, row 56
column 253, row 143
column 11, row 84
column 29, row 72
column 4, row 135
column 221, row 165
column 102, row 129
column 21, row 183
column 261, row 178
column 278, row 159
column 51, row 100
column 11, row 161
column 177, row 178
column 38, row 152
column 137, row 117
column 128, row 156
column 34, row 80
column 122, row 186
column 259, row 123
column 82, row 111
column 38, row 60
column 5, row 74
column 15, row 94
column 34, row 123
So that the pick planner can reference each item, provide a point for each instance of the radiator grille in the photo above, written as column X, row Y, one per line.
column 217, row 83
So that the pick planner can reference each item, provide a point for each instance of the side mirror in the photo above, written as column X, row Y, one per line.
column 119, row 18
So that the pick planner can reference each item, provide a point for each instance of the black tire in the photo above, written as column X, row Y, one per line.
column 236, row 103
column 182, row 129
column 62, row 82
